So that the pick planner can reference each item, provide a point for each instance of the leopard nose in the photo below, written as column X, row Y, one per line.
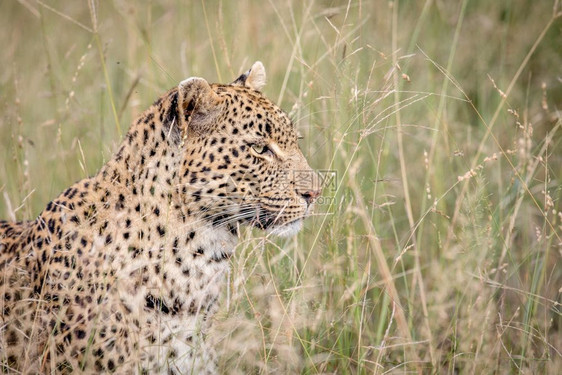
column 310, row 195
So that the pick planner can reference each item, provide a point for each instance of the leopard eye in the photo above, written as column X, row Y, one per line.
column 260, row 149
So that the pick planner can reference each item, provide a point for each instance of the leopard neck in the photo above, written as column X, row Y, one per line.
column 147, row 163
column 151, row 211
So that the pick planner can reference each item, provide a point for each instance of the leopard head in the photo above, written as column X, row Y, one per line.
column 242, row 162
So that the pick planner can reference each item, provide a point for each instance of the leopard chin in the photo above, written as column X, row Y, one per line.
column 286, row 230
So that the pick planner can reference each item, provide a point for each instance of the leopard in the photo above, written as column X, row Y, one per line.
column 123, row 271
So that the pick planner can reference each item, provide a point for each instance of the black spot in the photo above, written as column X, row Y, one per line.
column 197, row 196
column 12, row 338
column 156, row 304
column 99, row 366
column 111, row 365
column 190, row 237
column 199, row 251
column 135, row 251
column 192, row 308
column 51, row 225
column 161, row 230
column 80, row 334
column 148, row 118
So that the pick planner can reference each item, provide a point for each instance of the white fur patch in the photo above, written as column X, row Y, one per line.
column 287, row 230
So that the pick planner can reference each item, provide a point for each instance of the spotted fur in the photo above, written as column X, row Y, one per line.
column 123, row 270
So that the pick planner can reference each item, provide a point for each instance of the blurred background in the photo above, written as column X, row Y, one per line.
column 437, row 247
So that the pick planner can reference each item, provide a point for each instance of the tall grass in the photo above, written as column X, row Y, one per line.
column 439, row 248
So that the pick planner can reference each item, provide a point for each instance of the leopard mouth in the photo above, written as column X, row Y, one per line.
column 253, row 213
column 274, row 222
column 264, row 220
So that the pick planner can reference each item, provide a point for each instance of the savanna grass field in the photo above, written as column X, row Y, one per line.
column 436, row 245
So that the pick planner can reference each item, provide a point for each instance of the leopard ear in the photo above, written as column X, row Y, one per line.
column 253, row 78
column 198, row 104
